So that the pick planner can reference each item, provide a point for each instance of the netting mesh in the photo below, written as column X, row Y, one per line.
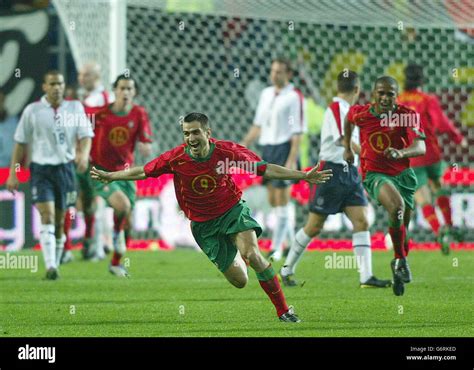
column 217, row 60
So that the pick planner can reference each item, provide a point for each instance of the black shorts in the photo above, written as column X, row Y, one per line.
column 343, row 190
column 277, row 154
column 54, row 183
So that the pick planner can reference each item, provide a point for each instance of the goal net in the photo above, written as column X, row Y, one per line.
column 214, row 56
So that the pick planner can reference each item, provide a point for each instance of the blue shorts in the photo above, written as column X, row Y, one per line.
column 277, row 154
column 54, row 183
column 345, row 189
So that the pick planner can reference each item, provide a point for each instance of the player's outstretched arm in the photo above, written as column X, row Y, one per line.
column 417, row 148
column 131, row 174
column 275, row 172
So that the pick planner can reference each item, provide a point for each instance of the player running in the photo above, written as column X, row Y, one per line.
column 430, row 167
column 118, row 128
column 94, row 97
column 220, row 220
column 344, row 193
column 52, row 127
column 390, row 134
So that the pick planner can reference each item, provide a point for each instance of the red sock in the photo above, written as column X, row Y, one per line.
column 90, row 220
column 398, row 235
column 116, row 259
column 445, row 205
column 119, row 223
column 128, row 238
column 67, row 227
column 273, row 289
column 430, row 216
column 406, row 245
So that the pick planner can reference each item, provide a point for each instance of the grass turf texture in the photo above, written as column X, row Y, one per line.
column 180, row 293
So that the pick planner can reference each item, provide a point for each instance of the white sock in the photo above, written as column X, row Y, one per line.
column 298, row 246
column 60, row 249
column 281, row 228
column 48, row 245
column 119, row 242
column 363, row 252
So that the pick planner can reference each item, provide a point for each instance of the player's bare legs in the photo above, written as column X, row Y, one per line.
column 122, row 207
column 236, row 274
column 279, row 199
column 392, row 201
column 247, row 245
column 48, row 238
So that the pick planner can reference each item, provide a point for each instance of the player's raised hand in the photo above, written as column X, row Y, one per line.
column 318, row 177
column 348, row 156
column 393, row 153
column 100, row 175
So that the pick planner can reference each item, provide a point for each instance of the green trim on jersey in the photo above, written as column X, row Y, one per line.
column 206, row 158
column 372, row 111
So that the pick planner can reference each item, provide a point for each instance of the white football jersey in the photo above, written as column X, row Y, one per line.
column 280, row 115
column 332, row 149
column 52, row 133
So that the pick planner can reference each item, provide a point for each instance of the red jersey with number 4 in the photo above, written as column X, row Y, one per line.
column 115, row 137
column 204, row 187
column 377, row 133
column 434, row 121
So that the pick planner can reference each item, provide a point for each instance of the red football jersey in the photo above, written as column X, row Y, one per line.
column 115, row 137
column 434, row 121
column 204, row 190
column 377, row 134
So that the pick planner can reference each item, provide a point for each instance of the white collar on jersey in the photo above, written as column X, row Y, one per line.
column 288, row 87
column 340, row 100
column 48, row 104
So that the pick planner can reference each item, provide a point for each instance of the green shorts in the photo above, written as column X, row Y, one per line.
column 106, row 190
column 433, row 172
column 85, row 182
column 405, row 183
column 214, row 237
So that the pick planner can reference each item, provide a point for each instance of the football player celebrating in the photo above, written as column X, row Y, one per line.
column 344, row 193
column 390, row 135
column 220, row 220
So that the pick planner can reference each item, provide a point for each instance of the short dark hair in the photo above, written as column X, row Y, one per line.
column 51, row 72
column 284, row 61
column 126, row 77
column 347, row 81
column 199, row 117
column 413, row 76
column 386, row 79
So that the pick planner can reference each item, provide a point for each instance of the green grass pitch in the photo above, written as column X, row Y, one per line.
column 180, row 293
